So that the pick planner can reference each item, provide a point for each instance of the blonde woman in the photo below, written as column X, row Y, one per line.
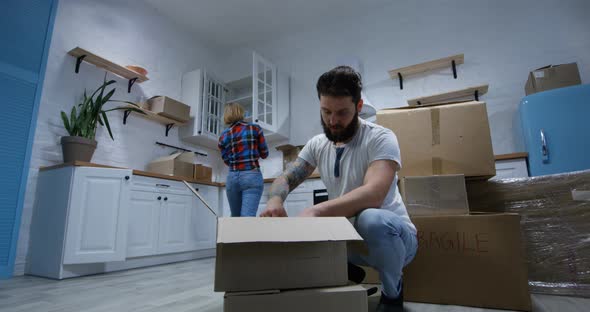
column 241, row 145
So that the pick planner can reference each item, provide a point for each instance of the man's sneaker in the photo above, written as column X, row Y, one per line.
column 387, row 304
column 356, row 274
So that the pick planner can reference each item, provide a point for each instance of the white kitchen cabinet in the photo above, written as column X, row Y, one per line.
column 80, row 217
column 97, row 218
column 206, row 95
column 264, row 93
column 202, row 229
column 144, row 224
column 175, row 223
column 165, row 217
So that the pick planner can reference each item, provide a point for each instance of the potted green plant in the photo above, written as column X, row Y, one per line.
column 84, row 120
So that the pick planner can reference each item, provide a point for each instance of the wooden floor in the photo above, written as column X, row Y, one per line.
column 184, row 286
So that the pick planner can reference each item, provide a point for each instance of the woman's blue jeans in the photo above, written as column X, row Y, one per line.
column 244, row 189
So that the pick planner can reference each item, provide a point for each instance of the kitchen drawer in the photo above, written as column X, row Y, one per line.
column 164, row 186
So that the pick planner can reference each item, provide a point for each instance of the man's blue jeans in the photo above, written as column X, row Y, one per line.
column 392, row 244
column 244, row 189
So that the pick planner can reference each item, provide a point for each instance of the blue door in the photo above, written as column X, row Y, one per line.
column 556, row 126
column 25, row 34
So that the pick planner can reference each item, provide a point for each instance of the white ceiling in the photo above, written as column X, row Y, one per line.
column 237, row 22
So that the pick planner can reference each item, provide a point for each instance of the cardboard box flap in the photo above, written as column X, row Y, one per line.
column 242, row 230
column 341, row 289
column 544, row 67
column 167, row 158
column 187, row 157
column 251, row 293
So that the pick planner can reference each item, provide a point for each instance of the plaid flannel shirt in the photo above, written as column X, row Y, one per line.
column 241, row 145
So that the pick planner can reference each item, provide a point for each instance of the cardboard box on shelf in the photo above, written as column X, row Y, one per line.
column 282, row 253
column 341, row 299
column 471, row 260
column 290, row 153
column 178, row 164
column 552, row 77
column 202, row 173
column 444, row 139
column 435, row 195
column 168, row 107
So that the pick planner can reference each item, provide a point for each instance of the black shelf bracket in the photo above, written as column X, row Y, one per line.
column 476, row 95
column 79, row 61
column 168, row 127
column 454, row 69
column 125, row 115
column 131, row 82
column 401, row 81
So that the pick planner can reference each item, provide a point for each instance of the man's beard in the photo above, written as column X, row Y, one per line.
column 344, row 134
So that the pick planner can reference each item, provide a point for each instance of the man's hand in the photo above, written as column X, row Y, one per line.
column 274, row 208
column 309, row 212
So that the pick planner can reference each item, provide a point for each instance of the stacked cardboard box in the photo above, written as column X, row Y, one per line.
column 181, row 164
column 555, row 211
column 287, row 264
column 462, row 259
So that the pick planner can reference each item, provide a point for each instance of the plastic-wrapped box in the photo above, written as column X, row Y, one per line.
column 555, row 219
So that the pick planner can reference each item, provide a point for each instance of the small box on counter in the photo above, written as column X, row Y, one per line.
column 179, row 164
column 202, row 173
column 282, row 253
column 168, row 107
column 435, row 195
column 444, row 139
column 341, row 299
column 552, row 77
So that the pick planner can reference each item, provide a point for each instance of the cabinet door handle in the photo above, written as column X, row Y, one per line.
column 162, row 185
column 165, row 198
column 126, row 177
column 159, row 197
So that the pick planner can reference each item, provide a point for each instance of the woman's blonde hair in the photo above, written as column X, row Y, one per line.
column 233, row 112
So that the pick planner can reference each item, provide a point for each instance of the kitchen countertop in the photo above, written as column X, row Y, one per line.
column 151, row 174
column 511, row 156
column 135, row 172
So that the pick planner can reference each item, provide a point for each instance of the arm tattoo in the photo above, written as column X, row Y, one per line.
column 296, row 173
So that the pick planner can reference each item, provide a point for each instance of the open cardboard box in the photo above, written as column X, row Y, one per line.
column 282, row 253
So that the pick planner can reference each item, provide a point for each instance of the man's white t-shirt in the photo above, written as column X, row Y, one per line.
column 371, row 142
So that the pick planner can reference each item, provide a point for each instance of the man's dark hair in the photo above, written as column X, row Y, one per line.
column 340, row 81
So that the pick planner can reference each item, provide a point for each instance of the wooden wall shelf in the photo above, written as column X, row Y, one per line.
column 440, row 98
column 168, row 122
column 453, row 61
column 91, row 58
